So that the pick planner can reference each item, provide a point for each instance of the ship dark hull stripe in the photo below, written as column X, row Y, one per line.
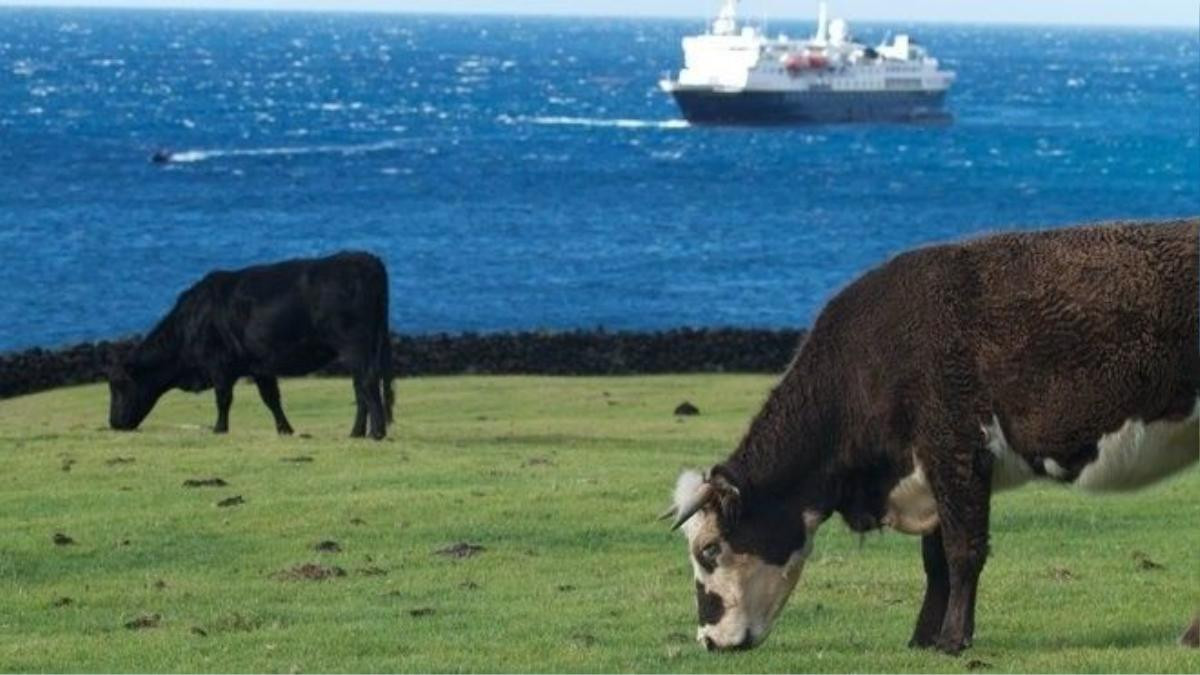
column 757, row 107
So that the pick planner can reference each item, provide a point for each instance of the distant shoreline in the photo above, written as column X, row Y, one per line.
column 595, row 352
column 702, row 17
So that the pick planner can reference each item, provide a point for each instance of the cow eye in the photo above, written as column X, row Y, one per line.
column 709, row 553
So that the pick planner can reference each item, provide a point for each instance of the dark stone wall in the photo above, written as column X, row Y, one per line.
column 569, row 353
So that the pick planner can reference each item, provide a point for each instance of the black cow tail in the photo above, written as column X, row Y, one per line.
column 385, row 362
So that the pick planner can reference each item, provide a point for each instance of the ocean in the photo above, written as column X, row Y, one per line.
column 527, row 173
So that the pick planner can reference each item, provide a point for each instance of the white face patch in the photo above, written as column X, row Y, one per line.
column 752, row 592
column 1139, row 454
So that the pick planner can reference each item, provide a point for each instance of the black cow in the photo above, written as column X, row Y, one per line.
column 287, row 318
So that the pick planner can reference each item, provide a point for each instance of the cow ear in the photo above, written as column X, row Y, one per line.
column 119, row 374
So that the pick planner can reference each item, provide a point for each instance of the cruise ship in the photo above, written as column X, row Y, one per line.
column 736, row 74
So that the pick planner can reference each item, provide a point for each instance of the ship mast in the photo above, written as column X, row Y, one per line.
column 822, row 36
column 726, row 21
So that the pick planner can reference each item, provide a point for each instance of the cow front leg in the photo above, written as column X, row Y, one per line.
column 224, row 392
column 268, row 389
column 964, row 516
column 937, row 591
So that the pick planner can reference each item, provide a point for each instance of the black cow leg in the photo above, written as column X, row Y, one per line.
column 268, row 389
column 964, row 519
column 362, row 407
column 224, row 392
column 937, row 591
column 373, row 393
column 961, row 482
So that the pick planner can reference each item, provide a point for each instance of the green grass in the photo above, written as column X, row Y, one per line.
column 559, row 479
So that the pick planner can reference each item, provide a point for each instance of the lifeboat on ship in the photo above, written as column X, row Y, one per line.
column 799, row 62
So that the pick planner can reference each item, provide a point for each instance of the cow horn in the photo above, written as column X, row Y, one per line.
column 697, row 501
column 671, row 510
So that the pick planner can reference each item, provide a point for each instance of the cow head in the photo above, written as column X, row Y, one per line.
column 746, row 551
column 132, row 396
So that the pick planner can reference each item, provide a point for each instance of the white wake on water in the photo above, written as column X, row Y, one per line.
column 594, row 122
column 189, row 156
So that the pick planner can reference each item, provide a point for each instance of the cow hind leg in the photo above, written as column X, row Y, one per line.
column 360, row 413
column 937, row 591
column 367, row 394
column 224, row 392
column 268, row 389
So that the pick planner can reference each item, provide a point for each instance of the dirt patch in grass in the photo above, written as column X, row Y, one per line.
column 328, row 546
column 204, row 482
column 372, row 571
column 1144, row 562
column 357, row 521
column 144, row 621
column 537, row 461
column 118, row 461
column 584, row 639
column 1062, row 574
column 310, row 572
column 66, row 465
column 461, row 550
column 61, row 539
column 63, row 601
column 977, row 664
column 421, row 611
column 298, row 459
column 235, row 500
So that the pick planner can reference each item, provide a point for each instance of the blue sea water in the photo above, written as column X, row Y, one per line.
column 525, row 173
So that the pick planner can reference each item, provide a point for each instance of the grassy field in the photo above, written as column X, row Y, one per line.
column 559, row 480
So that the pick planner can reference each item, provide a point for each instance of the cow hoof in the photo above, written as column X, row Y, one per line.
column 220, row 430
column 357, row 434
column 920, row 642
column 286, row 431
column 951, row 647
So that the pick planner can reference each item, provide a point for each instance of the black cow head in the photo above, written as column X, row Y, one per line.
column 746, row 551
column 132, row 396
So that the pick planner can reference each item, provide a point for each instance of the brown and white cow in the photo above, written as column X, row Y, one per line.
column 944, row 375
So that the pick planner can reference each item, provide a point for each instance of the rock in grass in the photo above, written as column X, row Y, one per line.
column 686, row 409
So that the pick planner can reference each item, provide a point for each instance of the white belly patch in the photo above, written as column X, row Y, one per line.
column 1134, row 456
column 1138, row 454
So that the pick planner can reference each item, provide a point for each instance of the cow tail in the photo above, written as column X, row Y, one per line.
column 385, row 362
column 384, row 355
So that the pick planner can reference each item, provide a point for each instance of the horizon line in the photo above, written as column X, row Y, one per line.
column 183, row 7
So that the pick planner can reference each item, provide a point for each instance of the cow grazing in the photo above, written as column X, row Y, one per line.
column 944, row 375
column 287, row 318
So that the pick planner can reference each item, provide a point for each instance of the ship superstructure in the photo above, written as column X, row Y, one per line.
column 735, row 73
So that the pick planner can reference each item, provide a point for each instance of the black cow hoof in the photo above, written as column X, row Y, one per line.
column 357, row 434
column 219, row 430
column 920, row 642
column 951, row 647
column 286, row 431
